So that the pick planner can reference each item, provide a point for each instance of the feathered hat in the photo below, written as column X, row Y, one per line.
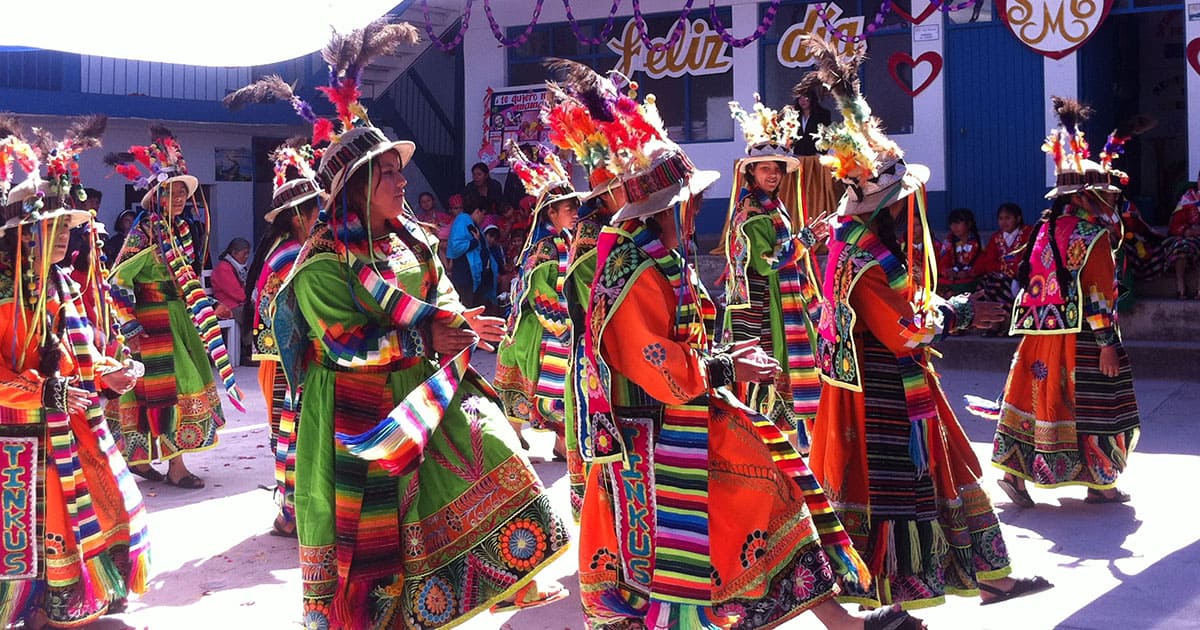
column 295, row 180
column 162, row 160
column 545, row 179
column 59, row 192
column 357, row 142
column 858, row 152
column 768, row 133
column 654, row 171
column 1074, row 170
column 15, row 154
column 580, row 103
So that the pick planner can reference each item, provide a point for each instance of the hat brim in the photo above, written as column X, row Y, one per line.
column 406, row 149
column 1059, row 191
column 191, row 182
column 596, row 192
column 915, row 177
column 269, row 217
column 697, row 183
column 76, row 218
column 791, row 161
column 545, row 204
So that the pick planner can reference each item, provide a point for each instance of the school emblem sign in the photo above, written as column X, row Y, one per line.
column 1054, row 28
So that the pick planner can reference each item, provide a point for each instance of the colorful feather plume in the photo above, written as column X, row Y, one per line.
column 293, row 159
column 265, row 90
column 857, row 145
column 597, row 93
column 1114, row 147
column 348, row 55
column 1066, row 144
column 61, row 157
column 538, row 177
column 162, row 158
column 764, row 125
column 15, row 154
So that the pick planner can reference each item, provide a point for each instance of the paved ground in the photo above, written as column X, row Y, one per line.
column 1115, row 566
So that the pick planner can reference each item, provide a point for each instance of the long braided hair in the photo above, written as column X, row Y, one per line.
column 1049, row 219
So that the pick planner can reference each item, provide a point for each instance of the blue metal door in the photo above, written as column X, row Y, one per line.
column 994, row 123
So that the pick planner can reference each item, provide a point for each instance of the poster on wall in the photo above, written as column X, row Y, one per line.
column 233, row 164
column 513, row 112
column 1053, row 28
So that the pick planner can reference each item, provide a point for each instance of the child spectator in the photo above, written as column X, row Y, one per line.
column 960, row 253
column 470, row 264
column 500, row 266
column 997, row 267
column 1182, row 246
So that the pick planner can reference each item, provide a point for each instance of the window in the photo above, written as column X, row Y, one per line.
column 694, row 107
column 892, row 105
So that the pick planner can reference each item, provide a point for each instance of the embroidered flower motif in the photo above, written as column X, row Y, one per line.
column 316, row 616
column 655, row 354
column 805, row 584
column 1040, row 371
column 604, row 558
column 189, row 436
column 754, row 548
column 522, row 544
column 435, row 603
column 621, row 261
column 414, row 544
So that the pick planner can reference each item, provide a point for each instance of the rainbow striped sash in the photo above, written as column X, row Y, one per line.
column 552, row 373
column 177, row 254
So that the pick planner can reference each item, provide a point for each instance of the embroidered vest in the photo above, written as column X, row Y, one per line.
column 1044, row 307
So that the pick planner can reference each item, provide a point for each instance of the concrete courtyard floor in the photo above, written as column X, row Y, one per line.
column 1114, row 566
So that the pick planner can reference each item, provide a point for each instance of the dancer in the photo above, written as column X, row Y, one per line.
column 1182, row 247
column 531, row 362
column 583, row 101
column 294, row 207
column 768, row 295
column 1068, row 414
column 412, row 507
column 886, row 445
column 75, row 529
column 698, row 513
column 168, row 322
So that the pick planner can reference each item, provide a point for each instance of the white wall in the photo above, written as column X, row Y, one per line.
column 231, row 203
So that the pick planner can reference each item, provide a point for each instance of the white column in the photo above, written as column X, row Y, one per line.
column 486, row 66
column 1192, row 33
column 1060, row 77
column 929, row 111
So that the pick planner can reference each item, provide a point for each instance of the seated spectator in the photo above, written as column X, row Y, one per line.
column 1182, row 247
column 114, row 243
column 229, row 287
column 1141, row 256
column 428, row 211
column 482, row 190
column 997, row 267
column 960, row 252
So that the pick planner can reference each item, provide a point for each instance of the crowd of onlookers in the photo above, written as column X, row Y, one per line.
column 482, row 230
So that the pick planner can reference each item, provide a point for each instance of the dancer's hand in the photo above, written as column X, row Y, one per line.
column 119, row 381
column 490, row 329
column 449, row 340
column 819, row 226
column 751, row 364
column 1110, row 363
column 77, row 399
column 987, row 314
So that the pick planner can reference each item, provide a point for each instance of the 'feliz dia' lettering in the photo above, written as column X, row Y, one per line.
column 699, row 51
column 791, row 51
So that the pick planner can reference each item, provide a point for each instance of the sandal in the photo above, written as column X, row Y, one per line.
column 148, row 473
column 1098, row 496
column 283, row 527
column 891, row 618
column 188, row 482
column 558, row 456
column 1023, row 586
column 1016, row 494
column 529, row 596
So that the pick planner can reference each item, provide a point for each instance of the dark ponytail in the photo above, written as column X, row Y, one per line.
column 1050, row 220
column 885, row 230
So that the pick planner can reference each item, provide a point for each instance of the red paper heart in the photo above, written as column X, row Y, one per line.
column 1193, row 54
column 898, row 10
column 902, row 58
